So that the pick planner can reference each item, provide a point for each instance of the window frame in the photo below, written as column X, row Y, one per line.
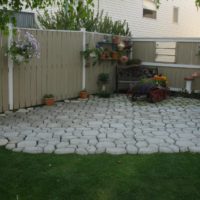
column 152, row 12
column 175, row 15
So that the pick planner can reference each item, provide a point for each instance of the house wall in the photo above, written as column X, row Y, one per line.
column 163, row 26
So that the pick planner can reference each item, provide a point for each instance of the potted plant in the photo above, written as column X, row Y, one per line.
column 105, row 54
column 103, row 79
column 48, row 99
column 115, row 55
column 24, row 48
column 92, row 55
column 83, row 94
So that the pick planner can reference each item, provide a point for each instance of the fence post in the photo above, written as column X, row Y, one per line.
column 83, row 66
column 10, row 69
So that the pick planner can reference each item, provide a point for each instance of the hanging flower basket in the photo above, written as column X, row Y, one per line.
column 24, row 48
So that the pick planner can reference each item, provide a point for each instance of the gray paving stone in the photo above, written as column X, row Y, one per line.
column 45, row 135
column 24, row 144
column 117, row 125
column 11, row 146
column 81, row 151
column 141, row 144
column 3, row 141
column 131, row 149
column 65, row 151
column 101, row 150
column 78, row 141
column 105, row 145
column 115, row 135
column 49, row 149
column 148, row 150
column 91, row 149
column 184, row 143
column 90, row 133
column 33, row 150
column 115, row 150
column 99, row 124
column 154, row 140
column 17, row 149
column 11, row 134
column 62, row 145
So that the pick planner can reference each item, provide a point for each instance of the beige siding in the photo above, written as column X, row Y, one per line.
column 187, row 53
column 144, row 51
column 176, row 77
column 57, row 72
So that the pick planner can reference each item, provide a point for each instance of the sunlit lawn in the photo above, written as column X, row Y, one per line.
column 99, row 177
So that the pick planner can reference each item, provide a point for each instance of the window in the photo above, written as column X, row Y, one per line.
column 166, row 52
column 175, row 15
column 149, row 9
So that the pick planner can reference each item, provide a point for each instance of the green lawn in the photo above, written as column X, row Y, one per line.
column 99, row 177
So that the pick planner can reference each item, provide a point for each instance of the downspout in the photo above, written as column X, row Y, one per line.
column 83, row 30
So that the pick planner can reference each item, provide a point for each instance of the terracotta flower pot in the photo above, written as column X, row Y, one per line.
column 83, row 94
column 49, row 101
column 124, row 59
column 115, row 55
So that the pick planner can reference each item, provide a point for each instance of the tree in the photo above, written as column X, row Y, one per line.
column 7, row 8
column 74, row 15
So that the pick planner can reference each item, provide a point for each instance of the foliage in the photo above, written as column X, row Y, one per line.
column 73, row 15
column 24, row 49
column 93, row 54
column 48, row 96
column 107, row 25
column 16, row 5
column 8, row 7
column 103, row 78
column 160, row 80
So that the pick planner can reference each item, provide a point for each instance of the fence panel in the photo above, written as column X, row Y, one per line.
column 92, row 72
column 57, row 72
column 188, row 53
column 176, row 77
column 144, row 51
column 3, row 74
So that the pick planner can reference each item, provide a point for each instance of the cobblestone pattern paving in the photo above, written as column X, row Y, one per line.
column 115, row 126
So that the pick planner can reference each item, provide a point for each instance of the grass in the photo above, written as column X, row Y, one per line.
column 99, row 177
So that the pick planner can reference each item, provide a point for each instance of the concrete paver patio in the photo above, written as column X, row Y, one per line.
column 115, row 126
